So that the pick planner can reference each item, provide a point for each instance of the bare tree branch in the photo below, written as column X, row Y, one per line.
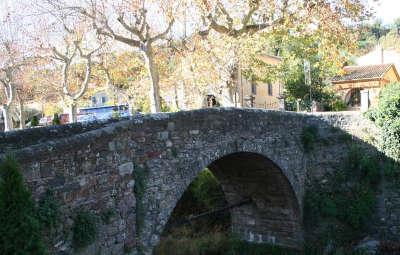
column 131, row 29
column 163, row 34
column 228, row 29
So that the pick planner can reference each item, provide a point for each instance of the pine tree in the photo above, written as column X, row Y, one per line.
column 19, row 227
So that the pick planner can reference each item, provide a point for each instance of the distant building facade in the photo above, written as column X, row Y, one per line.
column 107, row 97
column 359, row 86
column 253, row 93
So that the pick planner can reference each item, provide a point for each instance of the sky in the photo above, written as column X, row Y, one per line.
column 387, row 10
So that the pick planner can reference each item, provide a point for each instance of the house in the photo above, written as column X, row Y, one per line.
column 107, row 97
column 262, row 95
column 99, row 98
column 253, row 94
column 359, row 86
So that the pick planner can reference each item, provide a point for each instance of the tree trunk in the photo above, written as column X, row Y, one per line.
column 7, row 118
column 72, row 112
column 21, row 115
column 131, row 105
column 155, row 99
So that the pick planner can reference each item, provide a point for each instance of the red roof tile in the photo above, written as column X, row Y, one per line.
column 362, row 72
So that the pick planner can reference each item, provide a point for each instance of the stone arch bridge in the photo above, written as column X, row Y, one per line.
column 255, row 154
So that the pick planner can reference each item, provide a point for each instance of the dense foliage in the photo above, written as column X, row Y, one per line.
column 48, row 212
column 216, row 243
column 339, row 207
column 204, row 194
column 56, row 119
column 387, row 116
column 308, row 137
column 20, row 230
column 84, row 229
column 34, row 121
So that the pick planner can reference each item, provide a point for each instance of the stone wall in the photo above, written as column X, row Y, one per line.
column 97, row 169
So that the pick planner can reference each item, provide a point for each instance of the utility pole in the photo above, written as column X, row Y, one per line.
column 307, row 76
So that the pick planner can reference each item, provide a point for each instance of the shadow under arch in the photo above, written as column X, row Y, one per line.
column 272, row 212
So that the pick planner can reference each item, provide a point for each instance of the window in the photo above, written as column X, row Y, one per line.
column 94, row 101
column 269, row 89
column 103, row 100
column 254, row 88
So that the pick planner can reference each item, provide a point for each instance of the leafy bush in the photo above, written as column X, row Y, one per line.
column 19, row 227
column 309, row 137
column 216, row 243
column 34, row 121
column 387, row 116
column 49, row 212
column 107, row 215
column 339, row 207
column 338, row 105
column 84, row 229
column 204, row 194
column 207, row 190
column 116, row 114
column 56, row 119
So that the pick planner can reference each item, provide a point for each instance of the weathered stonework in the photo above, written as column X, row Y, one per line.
column 256, row 154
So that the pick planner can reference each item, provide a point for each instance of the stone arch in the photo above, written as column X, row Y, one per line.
column 273, row 213
column 353, row 98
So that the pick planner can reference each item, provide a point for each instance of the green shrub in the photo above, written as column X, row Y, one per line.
column 204, row 194
column 308, row 138
column 19, row 226
column 49, row 211
column 107, row 215
column 387, row 116
column 216, row 243
column 339, row 208
column 116, row 114
column 34, row 121
column 338, row 105
column 84, row 229
column 358, row 209
column 56, row 119
column 206, row 190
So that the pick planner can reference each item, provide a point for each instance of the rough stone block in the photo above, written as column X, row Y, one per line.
column 126, row 168
column 163, row 135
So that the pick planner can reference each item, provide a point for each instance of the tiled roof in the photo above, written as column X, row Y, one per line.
column 362, row 73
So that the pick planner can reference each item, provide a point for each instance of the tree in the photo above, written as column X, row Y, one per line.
column 66, row 58
column 124, row 75
column 16, row 58
column 10, row 64
column 133, row 27
column 20, row 229
column 243, row 21
column 6, row 80
column 240, row 23
column 25, row 91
